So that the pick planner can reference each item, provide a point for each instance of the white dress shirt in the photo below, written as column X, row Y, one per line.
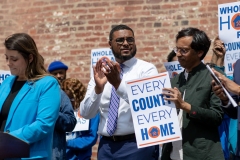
column 94, row 103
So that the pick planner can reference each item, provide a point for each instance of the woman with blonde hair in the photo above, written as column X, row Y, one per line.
column 80, row 143
column 28, row 110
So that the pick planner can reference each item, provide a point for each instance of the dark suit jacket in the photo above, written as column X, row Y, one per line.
column 234, row 112
column 200, row 127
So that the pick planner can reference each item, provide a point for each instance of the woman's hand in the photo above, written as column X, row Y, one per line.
column 227, row 83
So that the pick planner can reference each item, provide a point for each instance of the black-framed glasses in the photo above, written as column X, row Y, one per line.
column 130, row 40
column 182, row 51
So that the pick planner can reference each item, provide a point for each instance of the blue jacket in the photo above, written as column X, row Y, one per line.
column 65, row 123
column 33, row 113
column 80, row 148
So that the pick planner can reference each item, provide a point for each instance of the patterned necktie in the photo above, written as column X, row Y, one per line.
column 113, row 109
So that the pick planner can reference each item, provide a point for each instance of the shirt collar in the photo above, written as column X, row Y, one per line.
column 129, row 63
column 197, row 68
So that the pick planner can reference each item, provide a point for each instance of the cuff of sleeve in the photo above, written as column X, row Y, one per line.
column 226, row 106
column 94, row 95
column 194, row 111
column 222, row 68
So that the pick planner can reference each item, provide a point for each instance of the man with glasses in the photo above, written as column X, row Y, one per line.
column 107, row 94
column 191, row 92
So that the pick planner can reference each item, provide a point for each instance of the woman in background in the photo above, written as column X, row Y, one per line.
column 80, row 143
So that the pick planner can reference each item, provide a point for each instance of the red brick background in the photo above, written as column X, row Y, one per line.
column 67, row 30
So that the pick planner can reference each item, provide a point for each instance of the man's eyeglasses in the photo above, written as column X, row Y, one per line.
column 182, row 51
column 130, row 40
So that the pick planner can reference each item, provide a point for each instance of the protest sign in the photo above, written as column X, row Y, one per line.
column 4, row 75
column 229, row 33
column 82, row 123
column 96, row 54
column 174, row 68
column 155, row 119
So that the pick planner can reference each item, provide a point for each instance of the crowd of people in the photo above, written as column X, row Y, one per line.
column 39, row 105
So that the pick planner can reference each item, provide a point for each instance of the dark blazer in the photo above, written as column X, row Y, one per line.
column 200, row 138
column 234, row 112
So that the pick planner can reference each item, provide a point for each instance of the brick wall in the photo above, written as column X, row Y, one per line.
column 67, row 30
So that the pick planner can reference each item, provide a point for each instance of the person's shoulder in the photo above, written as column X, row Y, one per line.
column 64, row 95
column 143, row 63
column 10, row 78
column 65, row 101
column 237, row 64
column 47, row 79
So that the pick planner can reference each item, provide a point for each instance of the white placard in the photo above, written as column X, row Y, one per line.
column 155, row 119
column 220, row 83
column 82, row 123
column 174, row 68
column 4, row 75
column 96, row 54
column 229, row 33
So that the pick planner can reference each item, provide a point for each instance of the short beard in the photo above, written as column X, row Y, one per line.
column 62, row 79
column 124, row 58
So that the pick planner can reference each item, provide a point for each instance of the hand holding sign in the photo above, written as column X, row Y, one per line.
column 173, row 94
column 155, row 119
column 217, row 89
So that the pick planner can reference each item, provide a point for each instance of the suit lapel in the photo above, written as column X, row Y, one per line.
column 21, row 94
